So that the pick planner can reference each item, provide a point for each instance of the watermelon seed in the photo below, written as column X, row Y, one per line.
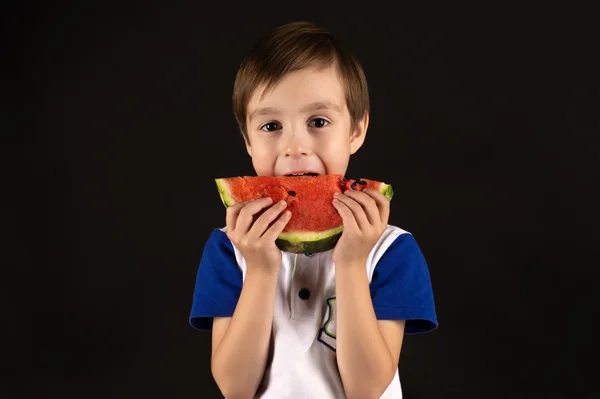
column 292, row 193
column 361, row 182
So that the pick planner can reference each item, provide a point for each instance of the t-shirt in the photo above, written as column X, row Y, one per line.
column 302, row 360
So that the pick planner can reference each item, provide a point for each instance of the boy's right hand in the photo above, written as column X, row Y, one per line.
column 255, row 239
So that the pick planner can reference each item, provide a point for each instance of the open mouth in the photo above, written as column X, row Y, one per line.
column 303, row 174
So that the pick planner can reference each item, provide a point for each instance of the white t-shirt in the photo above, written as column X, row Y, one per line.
column 302, row 361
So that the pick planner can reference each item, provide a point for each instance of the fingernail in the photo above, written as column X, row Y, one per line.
column 336, row 194
column 282, row 203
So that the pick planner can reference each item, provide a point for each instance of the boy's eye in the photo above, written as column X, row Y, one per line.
column 318, row 122
column 269, row 127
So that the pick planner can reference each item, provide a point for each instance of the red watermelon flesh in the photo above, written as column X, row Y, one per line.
column 315, row 225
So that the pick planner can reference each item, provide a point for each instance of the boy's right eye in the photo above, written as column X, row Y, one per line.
column 270, row 126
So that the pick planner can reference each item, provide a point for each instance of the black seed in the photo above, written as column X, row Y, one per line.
column 292, row 193
column 362, row 183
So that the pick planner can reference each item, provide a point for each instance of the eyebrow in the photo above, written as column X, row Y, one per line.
column 316, row 106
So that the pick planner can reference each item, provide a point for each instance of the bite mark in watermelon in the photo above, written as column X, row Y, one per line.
column 315, row 225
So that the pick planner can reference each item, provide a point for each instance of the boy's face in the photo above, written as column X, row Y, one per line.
column 302, row 125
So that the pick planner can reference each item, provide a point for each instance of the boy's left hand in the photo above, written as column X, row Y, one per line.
column 365, row 216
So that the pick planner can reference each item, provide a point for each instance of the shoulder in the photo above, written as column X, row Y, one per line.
column 394, row 240
column 400, row 282
column 219, row 245
column 218, row 281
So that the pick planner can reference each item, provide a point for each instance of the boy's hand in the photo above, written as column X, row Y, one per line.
column 365, row 216
column 255, row 236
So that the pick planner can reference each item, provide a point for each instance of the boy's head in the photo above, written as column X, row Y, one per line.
column 301, row 102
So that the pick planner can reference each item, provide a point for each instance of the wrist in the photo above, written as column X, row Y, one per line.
column 351, row 265
column 261, row 271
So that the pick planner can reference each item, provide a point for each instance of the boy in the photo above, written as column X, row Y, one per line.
column 325, row 325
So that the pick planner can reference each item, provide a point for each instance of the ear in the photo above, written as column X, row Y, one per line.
column 358, row 135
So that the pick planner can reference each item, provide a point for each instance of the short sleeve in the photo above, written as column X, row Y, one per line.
column 218, row 282
column 401, row 287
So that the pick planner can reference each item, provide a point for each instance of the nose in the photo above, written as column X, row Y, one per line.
column 296, row 149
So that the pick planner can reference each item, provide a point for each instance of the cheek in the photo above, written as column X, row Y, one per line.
column 262, row 146
column 336, row 145
column 334, row 154
column 263, row 158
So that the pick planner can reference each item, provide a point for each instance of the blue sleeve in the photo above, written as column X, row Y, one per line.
column 218, row 282
column 401, row 287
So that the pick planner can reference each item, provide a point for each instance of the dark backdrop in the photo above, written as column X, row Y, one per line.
column 123, row 118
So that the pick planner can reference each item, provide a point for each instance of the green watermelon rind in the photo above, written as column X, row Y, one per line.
column 308, row 247
column 223, row 188
column 387, row 191
column 302, row 242
column 309, row 242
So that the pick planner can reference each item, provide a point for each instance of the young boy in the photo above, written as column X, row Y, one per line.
column 324, row 325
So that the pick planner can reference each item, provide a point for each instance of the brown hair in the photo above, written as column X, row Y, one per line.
column 292, row 47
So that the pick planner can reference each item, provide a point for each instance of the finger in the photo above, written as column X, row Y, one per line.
column 245, row 217
column 368, row 204
column 356, row 209
column 263, row 221
column 383, row 204
column 277, row 227
column 232, row 213
column 346, row 214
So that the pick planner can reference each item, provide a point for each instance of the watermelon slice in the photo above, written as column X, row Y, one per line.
column 315, row 225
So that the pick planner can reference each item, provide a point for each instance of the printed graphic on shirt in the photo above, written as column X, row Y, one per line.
column 327, row 334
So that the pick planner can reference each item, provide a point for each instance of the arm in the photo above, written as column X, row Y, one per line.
column 370, row 331
column 367, row 350
column 241, row 342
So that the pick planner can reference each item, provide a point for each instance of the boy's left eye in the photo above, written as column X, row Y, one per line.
column 318, row 122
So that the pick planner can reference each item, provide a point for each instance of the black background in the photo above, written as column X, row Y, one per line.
column 121, row 117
